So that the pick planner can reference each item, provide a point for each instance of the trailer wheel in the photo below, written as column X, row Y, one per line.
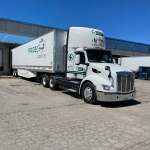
column 52, row 84
column 13, row 72
column 45, row 80
column 89, row 93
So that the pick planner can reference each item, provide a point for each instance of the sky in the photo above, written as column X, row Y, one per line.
column 121, row 19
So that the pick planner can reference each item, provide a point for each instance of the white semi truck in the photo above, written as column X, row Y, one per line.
column 133, row 63
column 76, row 61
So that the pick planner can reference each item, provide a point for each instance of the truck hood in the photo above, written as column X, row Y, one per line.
column 103, row 75
column 113, row 67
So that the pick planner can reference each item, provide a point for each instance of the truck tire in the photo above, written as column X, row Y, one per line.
column 45, row 80
column 52, row 84
column 89, row 93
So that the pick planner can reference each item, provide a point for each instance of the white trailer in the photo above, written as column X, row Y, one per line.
column 133, row 63
column 76, row 61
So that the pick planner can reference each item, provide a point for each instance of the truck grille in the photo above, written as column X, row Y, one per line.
column 125, row 81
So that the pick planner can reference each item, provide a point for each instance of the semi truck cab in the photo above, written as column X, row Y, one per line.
column 90, row 70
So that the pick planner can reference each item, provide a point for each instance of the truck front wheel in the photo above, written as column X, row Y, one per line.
column 45, row 80
column 52, row 84
column 89, row 93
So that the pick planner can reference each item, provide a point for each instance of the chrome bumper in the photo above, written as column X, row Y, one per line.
column 115, row 97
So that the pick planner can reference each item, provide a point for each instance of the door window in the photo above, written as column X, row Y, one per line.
column 82, row 58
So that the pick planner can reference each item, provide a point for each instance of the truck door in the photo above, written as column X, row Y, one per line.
column 80, row 69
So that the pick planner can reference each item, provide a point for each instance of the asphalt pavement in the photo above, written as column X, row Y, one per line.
column 35, row 118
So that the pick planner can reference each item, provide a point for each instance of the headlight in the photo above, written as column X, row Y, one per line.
column 108, row 88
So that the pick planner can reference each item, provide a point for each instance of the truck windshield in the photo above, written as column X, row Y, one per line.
column 99, row 56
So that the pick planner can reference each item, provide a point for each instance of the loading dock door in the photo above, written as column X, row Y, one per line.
column 1, row 60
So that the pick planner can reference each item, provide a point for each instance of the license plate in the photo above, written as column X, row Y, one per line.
column 125, row 98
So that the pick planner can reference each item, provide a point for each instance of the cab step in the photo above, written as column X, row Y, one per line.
column 75, row 82
column 70, row 90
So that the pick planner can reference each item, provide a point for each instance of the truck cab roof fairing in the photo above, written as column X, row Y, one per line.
column 80, row 37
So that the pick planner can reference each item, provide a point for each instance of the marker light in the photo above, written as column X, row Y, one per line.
column 95, row 86
column 85, row 46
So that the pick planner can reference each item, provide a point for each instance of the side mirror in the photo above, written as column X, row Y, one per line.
column 119, row 61
column 114, row 61
column 77, row 59
column 87, row 64
column 107, row 68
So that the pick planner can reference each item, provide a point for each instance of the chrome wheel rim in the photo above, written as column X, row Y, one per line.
column 13, row 73
column 44, row 81
column 88, row 93
column 51, row 82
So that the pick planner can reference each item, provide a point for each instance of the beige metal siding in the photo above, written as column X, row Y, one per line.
column 22, row 28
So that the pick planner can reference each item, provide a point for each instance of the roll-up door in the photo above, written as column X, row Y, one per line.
column 1, row 59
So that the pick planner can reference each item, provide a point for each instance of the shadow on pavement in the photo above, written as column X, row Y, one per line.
column 30, row 79
column 108, row 104
column 119, row 104
column 102, row 104
column 74, row 95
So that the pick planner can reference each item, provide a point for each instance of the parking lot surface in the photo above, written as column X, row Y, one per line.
column 35, row 118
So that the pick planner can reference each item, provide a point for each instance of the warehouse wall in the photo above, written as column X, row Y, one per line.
column 124, row 52
column 22, row 28
column 127, row 45
column 5, row 58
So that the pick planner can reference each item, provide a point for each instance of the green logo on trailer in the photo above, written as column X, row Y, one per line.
column 97, row 33
column 70, row 57
column 97, row 39
column 40, row 47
